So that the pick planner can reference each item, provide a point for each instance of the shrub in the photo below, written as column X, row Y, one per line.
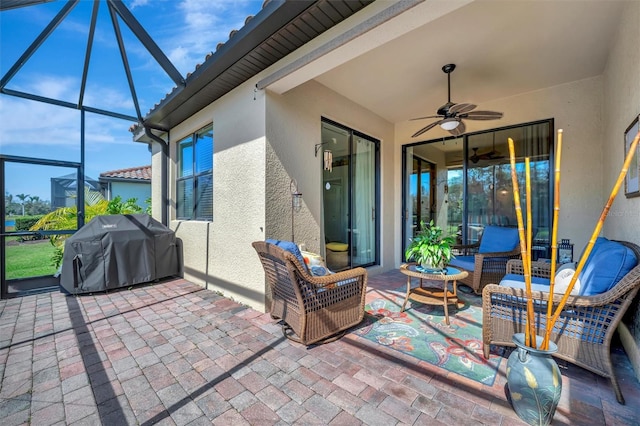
column 24, row 223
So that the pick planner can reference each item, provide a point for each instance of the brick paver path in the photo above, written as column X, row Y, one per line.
column 175, row 353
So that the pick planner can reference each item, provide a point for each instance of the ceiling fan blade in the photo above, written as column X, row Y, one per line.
column 422, row 118
column 461, row 108
column 459, row 130
column 482, row 115
column 424, row 129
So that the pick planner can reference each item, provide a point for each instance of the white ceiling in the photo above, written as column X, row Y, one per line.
column 501, row 48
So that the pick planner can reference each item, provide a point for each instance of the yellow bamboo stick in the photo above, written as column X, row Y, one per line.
column 523, row 246
column 596, row 232
column 529, row 229
column 554, row 236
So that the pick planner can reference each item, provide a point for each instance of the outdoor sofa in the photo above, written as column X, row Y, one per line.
column 609, row 283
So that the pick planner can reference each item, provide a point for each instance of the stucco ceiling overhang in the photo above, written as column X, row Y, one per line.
column 393, row 68
column 278, row 29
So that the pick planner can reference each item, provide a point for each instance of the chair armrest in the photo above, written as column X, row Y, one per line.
column 519, row 297
column 538, row 269
column 331, row 280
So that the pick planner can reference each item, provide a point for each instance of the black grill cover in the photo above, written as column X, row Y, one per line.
column 118, row 251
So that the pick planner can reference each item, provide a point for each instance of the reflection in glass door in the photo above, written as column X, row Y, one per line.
column 421, row 196
column 473, row 186
column 350, row 198
column 33, row 188
column 425, row 189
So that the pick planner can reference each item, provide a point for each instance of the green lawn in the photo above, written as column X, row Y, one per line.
column 29, row 260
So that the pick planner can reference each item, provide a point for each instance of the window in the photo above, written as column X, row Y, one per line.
column 194, row 196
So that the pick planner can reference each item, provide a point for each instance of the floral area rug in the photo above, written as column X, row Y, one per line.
column 421, row 331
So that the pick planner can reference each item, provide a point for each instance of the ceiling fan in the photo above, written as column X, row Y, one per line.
column 451, row 114
column 489, row 155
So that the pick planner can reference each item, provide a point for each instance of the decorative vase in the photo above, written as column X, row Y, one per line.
column 534, row 381
column 428, row 267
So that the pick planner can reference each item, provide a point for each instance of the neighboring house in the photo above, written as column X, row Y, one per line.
column 252, row 122
column 64, row 190
column 133, row 182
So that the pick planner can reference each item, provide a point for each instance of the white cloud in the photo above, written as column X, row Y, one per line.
column 205, row 24
column 49, row 86
column 138, row 3
column 109, row 99
column 31, row 123
column 36, row 123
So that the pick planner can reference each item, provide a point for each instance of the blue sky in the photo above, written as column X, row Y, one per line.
column 186, row 30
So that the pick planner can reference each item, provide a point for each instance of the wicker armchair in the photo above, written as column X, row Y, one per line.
column 316, row 309
column 584, row 328
column 484, row 266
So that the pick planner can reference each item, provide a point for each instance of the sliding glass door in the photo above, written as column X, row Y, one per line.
column 473, row 185
column 350, row 197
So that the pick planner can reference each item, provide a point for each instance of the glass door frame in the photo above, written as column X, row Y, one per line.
column 352, row 134
column 465, row 163
column 4, row 159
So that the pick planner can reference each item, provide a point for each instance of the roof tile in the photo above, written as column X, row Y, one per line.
column 137, row 173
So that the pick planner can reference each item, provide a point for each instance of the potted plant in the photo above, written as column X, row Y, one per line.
column 430, row 248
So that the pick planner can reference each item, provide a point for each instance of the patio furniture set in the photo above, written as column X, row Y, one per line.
column 316, row 309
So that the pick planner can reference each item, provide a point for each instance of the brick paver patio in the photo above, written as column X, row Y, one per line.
column 175, row 353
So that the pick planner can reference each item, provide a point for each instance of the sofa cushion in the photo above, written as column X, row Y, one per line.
column 497, row 239
column 606, row 265
column 517, row 281
column 468, row 263
column 315, row 264
column 289, row 246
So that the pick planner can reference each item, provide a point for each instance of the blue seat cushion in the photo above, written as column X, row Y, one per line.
column 497, row 239
column 290, row 247
column 517, row 281
column 607, row 264
column 464, row 262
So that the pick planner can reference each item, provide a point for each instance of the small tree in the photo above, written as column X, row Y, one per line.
column 22, row 198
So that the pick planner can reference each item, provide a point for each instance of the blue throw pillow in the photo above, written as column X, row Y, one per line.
column 607, row 264
column 290, row 247
column 497, row 239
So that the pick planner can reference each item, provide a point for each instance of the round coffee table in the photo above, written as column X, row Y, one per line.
column 430, row 295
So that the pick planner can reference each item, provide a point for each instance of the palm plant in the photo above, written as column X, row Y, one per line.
column 429, row 247
column 22, row 198
column 65, row 218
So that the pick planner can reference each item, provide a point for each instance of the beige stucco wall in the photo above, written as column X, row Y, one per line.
column 621, row 104
column 218, row 254
column 293, row 129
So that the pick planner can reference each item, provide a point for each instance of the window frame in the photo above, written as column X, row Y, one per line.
column 194, row 176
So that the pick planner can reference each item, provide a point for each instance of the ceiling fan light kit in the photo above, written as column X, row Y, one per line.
column 449, row 123
column 451, row 114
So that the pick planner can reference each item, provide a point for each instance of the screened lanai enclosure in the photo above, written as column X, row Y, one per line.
column 43, row 158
